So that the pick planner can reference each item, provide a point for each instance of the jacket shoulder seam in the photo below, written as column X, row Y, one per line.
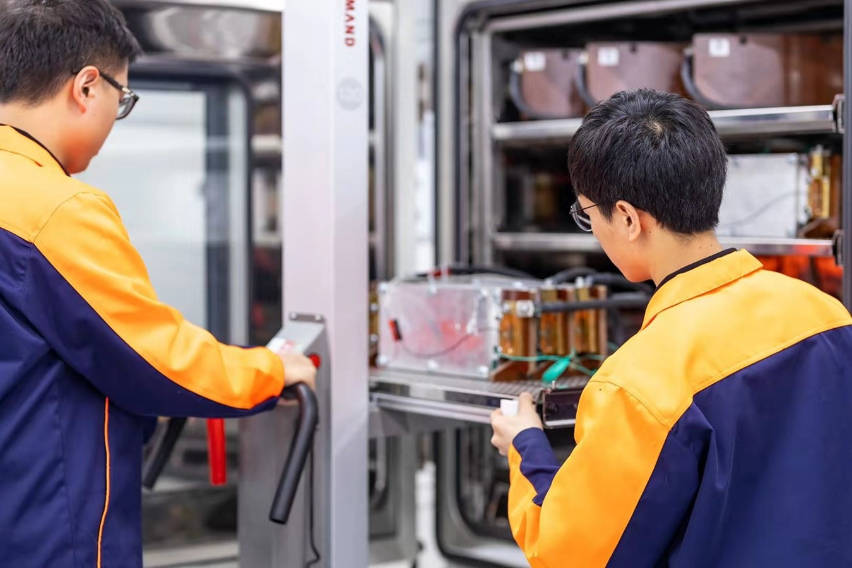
column 56, row 209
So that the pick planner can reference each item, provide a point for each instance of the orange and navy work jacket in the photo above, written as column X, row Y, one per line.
column 720, row 435
column 88, row 355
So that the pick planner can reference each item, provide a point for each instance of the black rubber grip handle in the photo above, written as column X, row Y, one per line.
column 162, row 452
column 299, row 450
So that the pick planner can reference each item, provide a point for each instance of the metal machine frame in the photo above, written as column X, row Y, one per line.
column 325, row 125
column 487, row 133
column 469, row 134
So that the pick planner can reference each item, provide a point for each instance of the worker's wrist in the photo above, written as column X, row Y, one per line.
column 531, row 437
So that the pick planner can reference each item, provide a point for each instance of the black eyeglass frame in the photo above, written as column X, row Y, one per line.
column 128, row 98
column 581, row 218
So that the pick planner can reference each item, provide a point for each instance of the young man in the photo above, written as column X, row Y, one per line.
column 87, row 352
column 719, row 435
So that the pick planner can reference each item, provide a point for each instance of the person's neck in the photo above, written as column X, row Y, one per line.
column 36, row 121
column 673, row 252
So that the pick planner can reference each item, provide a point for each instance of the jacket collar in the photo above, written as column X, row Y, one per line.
column 699, row 281
column 19, row 142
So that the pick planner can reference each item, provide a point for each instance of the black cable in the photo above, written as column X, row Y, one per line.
column 617, row 301
column 686, row 74
column 517, row 97
column 571, row 274
column 467, row 269
column 311, row 538
column 582, row 85
column 606, row 278
column 609, row 279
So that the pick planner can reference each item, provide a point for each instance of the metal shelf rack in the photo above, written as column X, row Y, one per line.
column 572, row 242
column 821, row 119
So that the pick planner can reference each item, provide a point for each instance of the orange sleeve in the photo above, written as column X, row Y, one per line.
column 100, row 312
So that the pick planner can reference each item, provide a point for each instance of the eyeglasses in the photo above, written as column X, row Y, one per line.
column 581, row 217
column 128, row 98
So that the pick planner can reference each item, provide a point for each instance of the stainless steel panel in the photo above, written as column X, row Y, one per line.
column 274, row 6
column 560, row 130
column 770, row 246
column 546, row 242
column 325, row 212
column 456, row 398
column 818, row 119
column 482, row 196
column 264, row 443
column 224, row 30
column 571, row 242
column 754, row 122
column 604, row 12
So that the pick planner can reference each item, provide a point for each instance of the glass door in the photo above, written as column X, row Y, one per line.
column 178, row 170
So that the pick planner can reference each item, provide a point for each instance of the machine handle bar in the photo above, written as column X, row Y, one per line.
column 162, row 452
column 298, row 455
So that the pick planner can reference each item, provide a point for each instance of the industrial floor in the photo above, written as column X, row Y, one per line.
column 225, row 555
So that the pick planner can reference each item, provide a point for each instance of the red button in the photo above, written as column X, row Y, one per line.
column 315, row 359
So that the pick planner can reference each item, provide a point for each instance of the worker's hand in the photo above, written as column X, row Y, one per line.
column 298, row 369
column 507, row 427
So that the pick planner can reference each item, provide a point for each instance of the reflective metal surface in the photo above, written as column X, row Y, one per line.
column 819, row 119
column 457, row 398
column 543, row 20
column 206, row 30
column 568, row 242
column 325, row 227
column 266, row 5
column 757, row 121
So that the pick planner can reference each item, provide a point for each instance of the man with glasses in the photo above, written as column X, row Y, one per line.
column 719, row 435
column 88, row 355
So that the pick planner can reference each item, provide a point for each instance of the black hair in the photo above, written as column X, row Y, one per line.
column 42, row 42
column 659, row 152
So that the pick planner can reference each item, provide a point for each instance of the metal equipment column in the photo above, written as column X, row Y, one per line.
column 325, row 209
column 324, row 222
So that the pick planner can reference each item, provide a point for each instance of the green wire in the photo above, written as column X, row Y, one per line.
column 556, row 370
column 561, row 364
column 531, row 359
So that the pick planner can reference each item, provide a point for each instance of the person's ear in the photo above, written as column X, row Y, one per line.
column 628, row 219
column 82, row 87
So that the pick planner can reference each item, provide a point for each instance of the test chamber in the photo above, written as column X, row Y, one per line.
column 480, row 146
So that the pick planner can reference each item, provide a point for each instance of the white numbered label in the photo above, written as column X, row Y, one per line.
column 608, row 56
column 720, row 47
column 509, row 407
column 535, row 61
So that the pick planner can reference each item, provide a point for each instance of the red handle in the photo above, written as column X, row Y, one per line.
column 216, row 451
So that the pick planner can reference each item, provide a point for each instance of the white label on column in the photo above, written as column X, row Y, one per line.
column 608, row 56
column 720, row 47
column 535, row 61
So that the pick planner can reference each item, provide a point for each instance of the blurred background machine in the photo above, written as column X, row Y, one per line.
column 520, row 299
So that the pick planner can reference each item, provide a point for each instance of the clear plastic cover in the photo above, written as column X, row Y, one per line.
column 447, row 325
column 765, row 196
